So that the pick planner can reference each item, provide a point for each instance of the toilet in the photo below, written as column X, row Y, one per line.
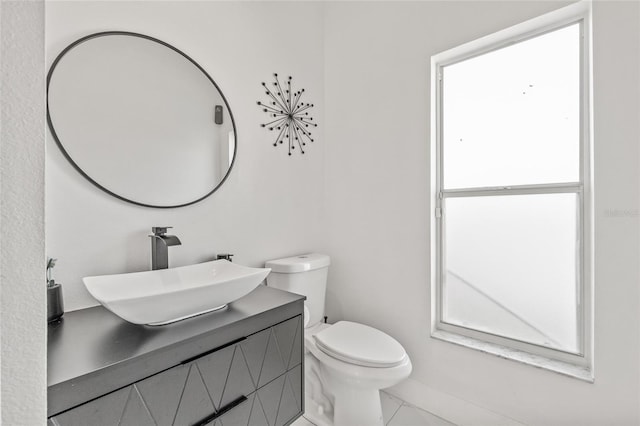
column 346, row 363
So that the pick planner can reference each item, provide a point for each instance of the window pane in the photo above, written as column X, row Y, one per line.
column 511, row 265
column 512, row 116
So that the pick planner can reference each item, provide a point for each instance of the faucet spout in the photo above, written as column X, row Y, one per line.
column 160, row 243
column 171, row 240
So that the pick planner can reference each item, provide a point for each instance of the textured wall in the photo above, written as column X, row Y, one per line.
column 23, row 300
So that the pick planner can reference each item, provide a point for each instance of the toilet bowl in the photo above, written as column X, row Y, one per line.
column 351, row 379
column 346, row 363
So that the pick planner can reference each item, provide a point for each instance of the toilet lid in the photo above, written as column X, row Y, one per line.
column 360, row 345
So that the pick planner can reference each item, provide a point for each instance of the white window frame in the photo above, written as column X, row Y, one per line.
column 578, row 364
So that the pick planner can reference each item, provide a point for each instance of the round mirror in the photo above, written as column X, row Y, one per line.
column 140, row 119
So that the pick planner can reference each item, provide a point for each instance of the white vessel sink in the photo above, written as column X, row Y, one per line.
column 169, row 295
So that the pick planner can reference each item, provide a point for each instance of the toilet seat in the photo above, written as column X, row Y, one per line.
column 359, row 344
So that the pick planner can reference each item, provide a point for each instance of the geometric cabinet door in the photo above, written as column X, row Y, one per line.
column 256, row 381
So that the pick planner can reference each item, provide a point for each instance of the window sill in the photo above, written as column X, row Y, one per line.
column 560, row 367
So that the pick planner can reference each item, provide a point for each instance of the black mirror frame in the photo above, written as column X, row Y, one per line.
column 82, row 172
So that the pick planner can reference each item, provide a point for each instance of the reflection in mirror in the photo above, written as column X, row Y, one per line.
column 140, row 119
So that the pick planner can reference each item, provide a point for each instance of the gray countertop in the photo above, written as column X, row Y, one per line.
column 92, row 352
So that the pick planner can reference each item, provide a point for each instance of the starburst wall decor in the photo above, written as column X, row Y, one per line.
column 290, row 116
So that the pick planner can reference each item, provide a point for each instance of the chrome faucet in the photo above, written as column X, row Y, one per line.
column 160, row 243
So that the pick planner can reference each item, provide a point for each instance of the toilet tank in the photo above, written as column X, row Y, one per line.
column 305, row 274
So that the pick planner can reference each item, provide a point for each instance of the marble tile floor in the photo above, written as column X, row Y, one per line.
column 396, row 412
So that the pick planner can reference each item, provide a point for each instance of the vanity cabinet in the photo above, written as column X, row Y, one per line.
column 252, row 380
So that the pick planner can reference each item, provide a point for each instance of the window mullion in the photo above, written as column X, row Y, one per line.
column 560, row 188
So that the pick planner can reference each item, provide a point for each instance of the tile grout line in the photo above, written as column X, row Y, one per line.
column 394, row 414
column 413, row 407
column 397, row 409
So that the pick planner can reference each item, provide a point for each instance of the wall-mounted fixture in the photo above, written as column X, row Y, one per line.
column 288, row 114
column 218, row 114
column 140, row 119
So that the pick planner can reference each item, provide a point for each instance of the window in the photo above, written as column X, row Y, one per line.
column 511, row 190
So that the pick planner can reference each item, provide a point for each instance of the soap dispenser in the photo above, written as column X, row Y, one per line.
column 55, row 305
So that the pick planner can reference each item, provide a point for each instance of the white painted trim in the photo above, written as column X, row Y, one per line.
column 566, row 368
column 449, row 407
column 588, row 209
column 514, row 34
column 583, row 361
column 514, row 190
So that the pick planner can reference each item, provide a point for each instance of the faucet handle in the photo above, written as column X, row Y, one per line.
column 225, row 256
column 160, row 230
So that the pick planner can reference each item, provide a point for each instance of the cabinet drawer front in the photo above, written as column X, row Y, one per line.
column 271, row 352
column 281, row 398
column 106, row 410
column 265, row 368
column 277, row 403
column 187, row 394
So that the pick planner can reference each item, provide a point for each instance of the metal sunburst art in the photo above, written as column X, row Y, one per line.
column 290, row 116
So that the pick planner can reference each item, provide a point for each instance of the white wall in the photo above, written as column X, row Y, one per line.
column 271, row 204
column 375, row 181
column 377, row 202
column 22, row 159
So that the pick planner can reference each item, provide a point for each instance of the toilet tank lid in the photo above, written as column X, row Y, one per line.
column 300, row 263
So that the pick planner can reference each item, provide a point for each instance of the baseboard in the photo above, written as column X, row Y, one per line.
column 455, row 410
